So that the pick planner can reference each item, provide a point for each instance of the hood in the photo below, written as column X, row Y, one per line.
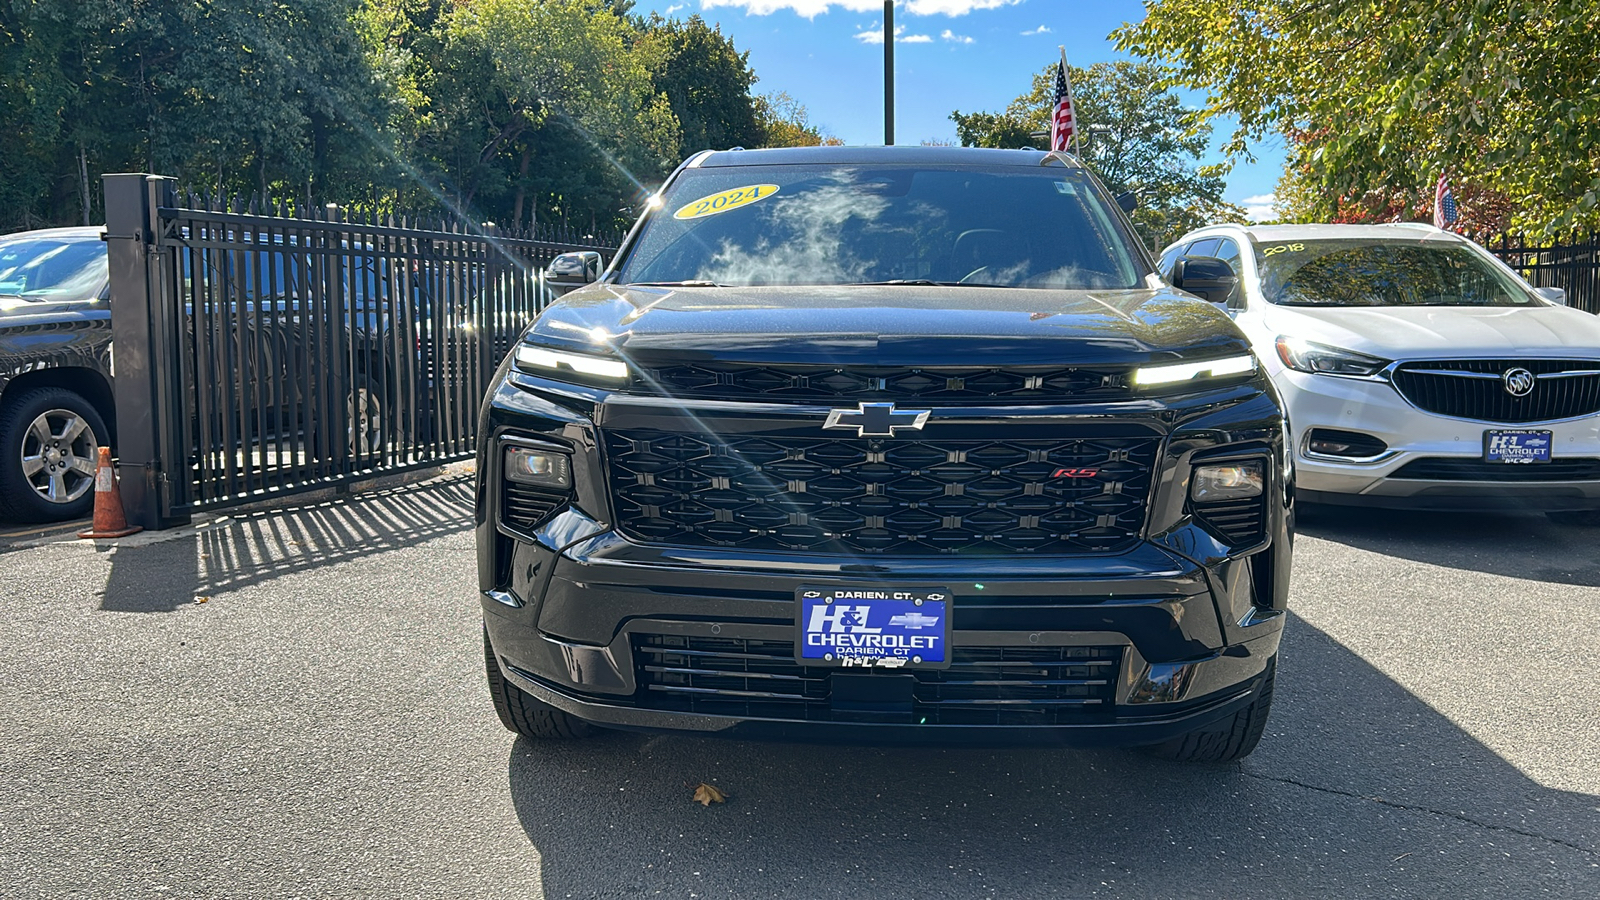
column 1421, row 332
column 891, row 325
column 16, row 313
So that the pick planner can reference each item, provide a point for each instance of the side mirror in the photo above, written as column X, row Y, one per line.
column 1128, row 200
column 1205, row 277
column 571, row 271
column 1558, row 296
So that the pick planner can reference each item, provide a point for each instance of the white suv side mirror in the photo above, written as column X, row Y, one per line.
column 1555, row 295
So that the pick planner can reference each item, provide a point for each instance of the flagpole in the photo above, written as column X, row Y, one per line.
column 888, row 73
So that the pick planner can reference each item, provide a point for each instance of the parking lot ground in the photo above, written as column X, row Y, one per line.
column 290, row 703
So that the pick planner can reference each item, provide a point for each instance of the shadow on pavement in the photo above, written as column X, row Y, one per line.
column 1360, row 789
column 1518, row 545
column 254, row 547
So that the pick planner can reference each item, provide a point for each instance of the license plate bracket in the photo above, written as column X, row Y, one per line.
column 1517, row 446
column 866, row 626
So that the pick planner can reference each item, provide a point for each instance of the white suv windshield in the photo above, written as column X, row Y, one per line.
column 831, row 225
column 1382, row 273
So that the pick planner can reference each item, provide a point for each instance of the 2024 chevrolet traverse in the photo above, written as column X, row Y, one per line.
column 885, row 444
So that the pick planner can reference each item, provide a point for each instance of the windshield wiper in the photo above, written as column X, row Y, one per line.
column 673, row 284
column 918, row 282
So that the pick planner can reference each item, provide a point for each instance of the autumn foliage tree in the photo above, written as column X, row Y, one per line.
column 1378, row 99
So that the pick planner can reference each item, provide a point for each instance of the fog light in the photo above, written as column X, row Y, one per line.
column 1234, row 481
column 540, row 468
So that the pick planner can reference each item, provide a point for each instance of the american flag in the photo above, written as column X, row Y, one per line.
column 1444, row 205
column 1064, row 121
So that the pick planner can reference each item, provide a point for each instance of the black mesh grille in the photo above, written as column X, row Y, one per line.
column 952, row 384
column 983, row 685
column 525, row 507
column 896, row 496
column 1442, row 469
column 1486, row 399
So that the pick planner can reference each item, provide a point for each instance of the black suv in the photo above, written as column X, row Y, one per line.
column 56, row 409
column 882, row 444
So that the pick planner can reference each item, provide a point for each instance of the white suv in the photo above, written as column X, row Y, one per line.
column 1418, row 370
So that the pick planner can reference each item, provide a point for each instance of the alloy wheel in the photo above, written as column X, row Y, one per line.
column 59, row 454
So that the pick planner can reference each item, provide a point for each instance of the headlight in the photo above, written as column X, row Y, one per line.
column 1145, row 376
column 544, row 361
column 1234, row 481
column 1305, row 356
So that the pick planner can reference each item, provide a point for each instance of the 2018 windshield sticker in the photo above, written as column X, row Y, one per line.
column 722, row 202
column 1283, row 248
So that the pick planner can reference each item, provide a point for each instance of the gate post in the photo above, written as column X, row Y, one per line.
column 145, row 340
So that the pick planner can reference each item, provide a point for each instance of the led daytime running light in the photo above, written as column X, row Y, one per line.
column 1214, row 368
column 558, row 360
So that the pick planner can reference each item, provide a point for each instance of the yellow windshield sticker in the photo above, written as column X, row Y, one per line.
column 721, row 203
column 1283, row 248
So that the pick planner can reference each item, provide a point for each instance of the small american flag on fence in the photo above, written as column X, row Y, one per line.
column 1064, row 120
column 1444, row 204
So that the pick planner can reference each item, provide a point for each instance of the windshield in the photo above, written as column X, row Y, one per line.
column 53, row 268
column 1383, row 273
column 831, row 225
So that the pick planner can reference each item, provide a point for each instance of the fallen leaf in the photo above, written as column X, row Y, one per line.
column 706, row 795
column 202, row 599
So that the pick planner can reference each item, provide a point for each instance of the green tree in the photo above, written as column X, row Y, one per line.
column 516, row 75
column 707, row 81
column 1377, row 99
column 784, row 123
column 1137, row 136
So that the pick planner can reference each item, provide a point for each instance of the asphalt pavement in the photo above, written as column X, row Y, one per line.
column 290, row 703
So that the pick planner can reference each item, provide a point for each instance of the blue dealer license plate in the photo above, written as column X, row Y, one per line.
column 1517, row 446
column 874, row 627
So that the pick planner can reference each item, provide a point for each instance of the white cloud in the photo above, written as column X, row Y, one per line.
column 954, row 38
column 673, row 8
column 900, row 37
column 812, row 8
column 1260, row 208
column 1042, row 29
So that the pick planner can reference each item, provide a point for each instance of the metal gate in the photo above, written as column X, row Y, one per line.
column 267, row 354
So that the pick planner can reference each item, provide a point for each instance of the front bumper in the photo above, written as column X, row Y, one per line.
column 1375, row 408
column 1147, row 619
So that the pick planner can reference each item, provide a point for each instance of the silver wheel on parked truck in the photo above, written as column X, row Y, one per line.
column 49, row 443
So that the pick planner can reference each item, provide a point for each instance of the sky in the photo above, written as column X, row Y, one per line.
column 950, row 55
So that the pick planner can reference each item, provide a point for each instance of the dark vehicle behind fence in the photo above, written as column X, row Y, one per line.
column 55, row 371
column 891, row 444
column 262, row 353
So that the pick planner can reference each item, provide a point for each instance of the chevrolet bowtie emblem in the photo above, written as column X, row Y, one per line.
column 878, row 419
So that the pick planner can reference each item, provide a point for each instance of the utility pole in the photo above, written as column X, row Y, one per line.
column 888, row 73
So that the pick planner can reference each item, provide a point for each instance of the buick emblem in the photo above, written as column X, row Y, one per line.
column 1519, row 382
column 877, row 419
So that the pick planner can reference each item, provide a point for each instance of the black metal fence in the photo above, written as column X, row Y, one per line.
column 1571, row 263
column 263, row 354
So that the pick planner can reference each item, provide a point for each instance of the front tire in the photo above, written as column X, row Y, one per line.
column 49, row 446
column 1232, row 738
column 525, row 715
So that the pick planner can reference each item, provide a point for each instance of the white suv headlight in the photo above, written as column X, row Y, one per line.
column 1306, row 356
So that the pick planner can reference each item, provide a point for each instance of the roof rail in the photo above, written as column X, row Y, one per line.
column 1424, row 226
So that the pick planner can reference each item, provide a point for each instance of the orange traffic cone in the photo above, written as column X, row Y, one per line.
column 109, row 519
